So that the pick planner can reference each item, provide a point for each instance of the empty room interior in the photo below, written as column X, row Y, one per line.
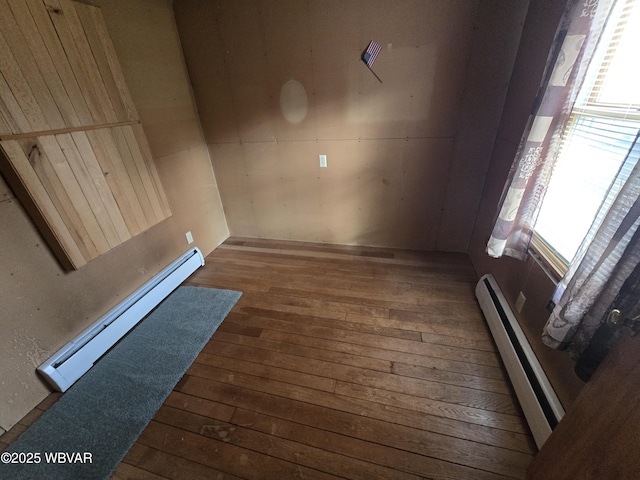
column 341, row 164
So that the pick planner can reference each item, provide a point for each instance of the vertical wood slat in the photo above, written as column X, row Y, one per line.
column 113, row 215
column 10, row 123
column 87, row 59
column 143, row 169
column 42, row 200
column 102, row 64
column 134, row 175
column 55, row 50
column 124, row 179
column 59, row 158
column 20, row 90
column 116, row 176
column 62, row 27
column 143, row 144
column 97, row 23
column 4, row 119
column 59, row 197
column 17, row 43
column 41, row 57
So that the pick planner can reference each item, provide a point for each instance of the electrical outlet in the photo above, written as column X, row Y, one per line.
column 520, row 302
column 189, row 237
column 323, row 161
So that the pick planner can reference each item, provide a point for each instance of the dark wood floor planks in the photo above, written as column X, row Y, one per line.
column 339, row 362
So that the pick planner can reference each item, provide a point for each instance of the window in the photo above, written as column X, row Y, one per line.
column 601, row 128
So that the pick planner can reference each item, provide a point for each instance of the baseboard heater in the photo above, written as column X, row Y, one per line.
column 76, row 358
column 537, row 398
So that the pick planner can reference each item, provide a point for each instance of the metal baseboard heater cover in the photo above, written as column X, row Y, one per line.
column 76, row 358
column 539, row 402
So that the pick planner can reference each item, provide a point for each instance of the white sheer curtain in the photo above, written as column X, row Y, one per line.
column 605, row 274
column 531, row 171
column 601, row 278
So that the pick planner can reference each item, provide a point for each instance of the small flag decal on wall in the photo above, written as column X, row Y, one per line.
column 371, row 53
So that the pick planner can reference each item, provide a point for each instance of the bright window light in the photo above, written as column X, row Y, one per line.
column 601, row 128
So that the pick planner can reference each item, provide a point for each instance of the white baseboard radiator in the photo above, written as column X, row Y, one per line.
column 79, row 355
column 537, row 398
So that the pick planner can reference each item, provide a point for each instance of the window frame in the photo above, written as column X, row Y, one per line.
column 555, row 265
column 590, row 106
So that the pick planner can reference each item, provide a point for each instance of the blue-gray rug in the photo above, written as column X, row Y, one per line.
column 88, row 431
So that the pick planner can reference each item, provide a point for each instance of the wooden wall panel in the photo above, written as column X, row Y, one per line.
column 71, row 34
column 45, row 44
column 105, row 66
column 19, row 97
column 94, row 189
column 24, row 68
column 59, row 67
column 26, row 32
column 388, row 170
column 297, row 65
column 69, row 129
column 599, row 436
column 337, row 70
column 365, row 196
column 42, row 200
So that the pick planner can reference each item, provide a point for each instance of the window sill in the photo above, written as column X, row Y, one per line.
column 555, row 266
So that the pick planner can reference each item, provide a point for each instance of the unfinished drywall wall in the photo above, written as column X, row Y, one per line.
column 280, row 83
column 43, row 307
column 512, row 275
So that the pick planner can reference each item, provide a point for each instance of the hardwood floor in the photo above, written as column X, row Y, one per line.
column 339, row 362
